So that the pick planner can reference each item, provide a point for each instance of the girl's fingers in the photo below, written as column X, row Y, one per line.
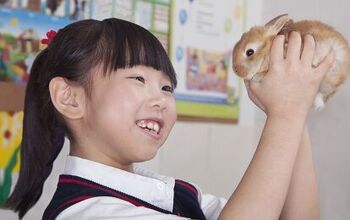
column 277, row 49
column 325, row 65
column 249, row 91
column 247, row 85
column 294, row 45
column 251, row 95
column 308, row 50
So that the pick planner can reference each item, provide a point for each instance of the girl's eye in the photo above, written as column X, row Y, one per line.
column 140, row 78
column 168, row 89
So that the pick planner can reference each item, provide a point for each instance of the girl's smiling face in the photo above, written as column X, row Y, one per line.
column 129, row 115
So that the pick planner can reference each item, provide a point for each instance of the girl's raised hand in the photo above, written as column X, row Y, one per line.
column 290, row 85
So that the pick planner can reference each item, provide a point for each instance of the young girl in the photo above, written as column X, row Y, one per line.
column 108, row 86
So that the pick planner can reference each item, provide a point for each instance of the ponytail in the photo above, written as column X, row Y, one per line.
column 42, row 140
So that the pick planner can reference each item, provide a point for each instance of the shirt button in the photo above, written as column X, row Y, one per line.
column 160, row 186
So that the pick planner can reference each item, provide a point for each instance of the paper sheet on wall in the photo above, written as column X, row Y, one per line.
column 203, row 35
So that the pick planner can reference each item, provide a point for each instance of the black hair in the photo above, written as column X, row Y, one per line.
column 73, row 54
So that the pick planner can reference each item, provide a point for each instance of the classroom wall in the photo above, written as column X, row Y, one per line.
column 214, row 156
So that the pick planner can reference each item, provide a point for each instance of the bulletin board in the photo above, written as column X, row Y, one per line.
column 202, row 37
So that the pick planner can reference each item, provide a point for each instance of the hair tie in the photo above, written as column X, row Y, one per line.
column 50, row 36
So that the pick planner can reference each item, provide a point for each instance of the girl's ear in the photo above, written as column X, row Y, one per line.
column 68, row 98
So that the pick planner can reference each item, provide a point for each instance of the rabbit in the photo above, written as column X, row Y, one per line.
column 250, row 56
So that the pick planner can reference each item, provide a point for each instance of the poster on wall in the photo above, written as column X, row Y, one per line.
column 20, row 34
column 202, row 37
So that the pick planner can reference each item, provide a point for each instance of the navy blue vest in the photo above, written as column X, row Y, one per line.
column 73, row 189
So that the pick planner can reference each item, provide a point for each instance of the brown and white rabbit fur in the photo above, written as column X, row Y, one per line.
column 251, row 53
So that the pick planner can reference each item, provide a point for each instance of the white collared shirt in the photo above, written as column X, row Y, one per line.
column 150, row 187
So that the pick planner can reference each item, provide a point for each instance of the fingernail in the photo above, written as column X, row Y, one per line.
column 279, row 38
column 296, row 33
column 310, row 35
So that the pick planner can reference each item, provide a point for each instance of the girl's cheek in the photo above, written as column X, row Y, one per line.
column 172, row 109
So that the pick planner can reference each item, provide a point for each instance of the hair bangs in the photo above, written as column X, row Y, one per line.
column 127, row 45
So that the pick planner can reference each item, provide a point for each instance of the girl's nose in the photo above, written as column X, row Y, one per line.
column 158, row 102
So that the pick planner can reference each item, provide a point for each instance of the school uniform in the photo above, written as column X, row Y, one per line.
column 90, row 190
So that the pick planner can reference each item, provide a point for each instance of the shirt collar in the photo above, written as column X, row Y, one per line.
column 146, row 185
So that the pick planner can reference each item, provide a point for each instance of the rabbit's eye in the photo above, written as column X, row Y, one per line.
column 249, row 52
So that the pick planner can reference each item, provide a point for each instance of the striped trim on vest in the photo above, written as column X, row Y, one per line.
column 74, row 189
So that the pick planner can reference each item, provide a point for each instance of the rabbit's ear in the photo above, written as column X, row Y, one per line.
column 274, row 26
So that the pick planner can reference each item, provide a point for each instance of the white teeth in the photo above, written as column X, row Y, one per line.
column 156, row 127
column 142, row 124
column 150, row 125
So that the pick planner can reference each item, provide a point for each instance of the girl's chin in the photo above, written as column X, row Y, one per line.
column 147, row 155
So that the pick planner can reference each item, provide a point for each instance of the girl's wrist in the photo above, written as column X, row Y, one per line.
column 288, row 116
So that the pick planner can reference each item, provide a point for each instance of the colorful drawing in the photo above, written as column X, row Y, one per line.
column 14, row 51
column 207, row 71
column 10, row 142
column 20, row 34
